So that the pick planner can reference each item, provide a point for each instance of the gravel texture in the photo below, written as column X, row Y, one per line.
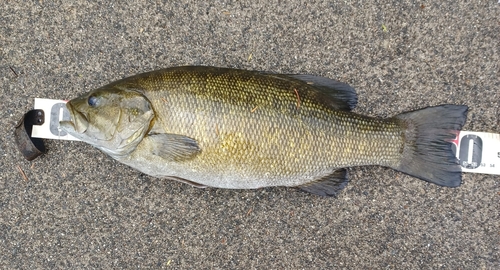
column 80, row 209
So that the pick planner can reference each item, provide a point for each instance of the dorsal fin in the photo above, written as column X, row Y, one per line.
column 342, row 96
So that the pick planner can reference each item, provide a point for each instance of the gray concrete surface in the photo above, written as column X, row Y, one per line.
column 80, row 209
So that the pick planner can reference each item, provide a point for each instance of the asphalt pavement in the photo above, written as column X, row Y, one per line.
column 76, row 208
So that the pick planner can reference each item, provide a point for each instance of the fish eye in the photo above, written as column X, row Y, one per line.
column 92, row 101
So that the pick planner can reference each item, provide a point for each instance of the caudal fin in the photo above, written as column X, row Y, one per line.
column 427, row 152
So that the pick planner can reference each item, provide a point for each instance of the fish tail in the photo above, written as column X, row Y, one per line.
column 427, row 152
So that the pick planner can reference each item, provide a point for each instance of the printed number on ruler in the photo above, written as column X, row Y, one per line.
column 478, row 152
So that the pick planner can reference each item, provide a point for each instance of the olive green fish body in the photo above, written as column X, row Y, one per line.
column 259, row 130
column 231, row 128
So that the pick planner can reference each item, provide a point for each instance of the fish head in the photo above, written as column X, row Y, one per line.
column 110, row 119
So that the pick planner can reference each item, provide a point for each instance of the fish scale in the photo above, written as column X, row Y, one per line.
column 232, row 128
column 276, row 142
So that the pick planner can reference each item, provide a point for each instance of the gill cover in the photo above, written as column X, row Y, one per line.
column 113, row 120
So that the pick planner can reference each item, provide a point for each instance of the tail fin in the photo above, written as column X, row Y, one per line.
column 427, row 152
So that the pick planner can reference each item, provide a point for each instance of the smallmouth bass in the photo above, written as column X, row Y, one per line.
column 239, row 129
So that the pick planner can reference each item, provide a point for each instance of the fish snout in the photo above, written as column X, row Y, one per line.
column 79, row 122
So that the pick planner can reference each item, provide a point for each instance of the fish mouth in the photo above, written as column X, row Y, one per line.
column 78, row 124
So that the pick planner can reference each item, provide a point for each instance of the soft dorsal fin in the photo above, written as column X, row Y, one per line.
column 342, row 96
column 329, row 185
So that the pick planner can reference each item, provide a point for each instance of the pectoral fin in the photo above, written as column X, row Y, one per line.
column 173, row 147
column 329, row 185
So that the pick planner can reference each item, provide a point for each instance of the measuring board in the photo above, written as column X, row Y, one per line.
column 478, row 152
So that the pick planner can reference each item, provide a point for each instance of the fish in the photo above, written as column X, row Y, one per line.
column 241, row 129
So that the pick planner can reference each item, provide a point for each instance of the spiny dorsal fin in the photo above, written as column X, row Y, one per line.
column 342, row 96
column 329, row 185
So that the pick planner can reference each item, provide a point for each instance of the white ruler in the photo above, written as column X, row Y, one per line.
column 55, row 111
column 478, row 152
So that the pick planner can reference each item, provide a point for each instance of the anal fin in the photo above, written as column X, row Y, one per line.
column 329, row 185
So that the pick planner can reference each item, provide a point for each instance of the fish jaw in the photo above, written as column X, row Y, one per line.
column 77, row 126
column 79, row 122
